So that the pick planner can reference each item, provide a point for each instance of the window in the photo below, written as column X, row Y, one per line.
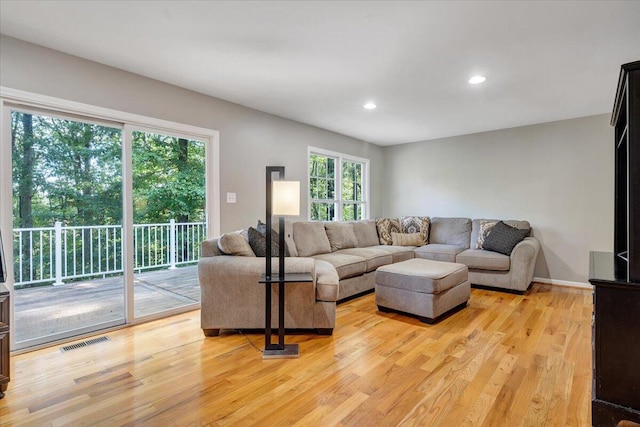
column 337, row 186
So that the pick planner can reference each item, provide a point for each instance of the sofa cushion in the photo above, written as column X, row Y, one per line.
column 422, row 276
column 475, row 228
column 439, row 252
column 450, row 231
column 398, row 253
column 366, row 233
column 258, row 242
column 374, row 257
column 503, row 238
column 407, row 239
column 484, row 260
column 346, row 265
column 416, row 224
column 340, row 235
column 235, row 244
column 385, row 227
column 288, row 238
column 310, row 238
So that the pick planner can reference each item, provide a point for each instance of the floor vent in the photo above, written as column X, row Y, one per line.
column 86, row 343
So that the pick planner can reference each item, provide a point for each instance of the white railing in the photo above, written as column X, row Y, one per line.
column 59, row 253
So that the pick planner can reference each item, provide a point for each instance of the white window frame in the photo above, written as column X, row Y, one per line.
column 339, row 157
column 28, row 101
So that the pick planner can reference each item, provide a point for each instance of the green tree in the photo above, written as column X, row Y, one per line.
column 169, row 179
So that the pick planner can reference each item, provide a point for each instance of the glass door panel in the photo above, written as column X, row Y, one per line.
column 169, row 221
column 67, row 236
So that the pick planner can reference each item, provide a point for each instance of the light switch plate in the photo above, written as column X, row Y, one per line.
column 231, row 197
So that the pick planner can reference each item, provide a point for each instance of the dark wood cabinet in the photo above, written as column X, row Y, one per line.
column 626, row 121
column 616, row 276
column 4, row 340
column 616, row 344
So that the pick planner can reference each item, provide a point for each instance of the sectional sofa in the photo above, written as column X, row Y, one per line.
column 342, row 258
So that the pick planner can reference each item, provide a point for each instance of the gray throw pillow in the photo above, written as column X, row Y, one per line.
column 503, row 238
column 258, row 242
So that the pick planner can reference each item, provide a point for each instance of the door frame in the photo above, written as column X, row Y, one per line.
column 14, row 98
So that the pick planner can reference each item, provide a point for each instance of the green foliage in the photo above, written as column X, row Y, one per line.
column 322, row 188
column 76, row 173
column 169, row 179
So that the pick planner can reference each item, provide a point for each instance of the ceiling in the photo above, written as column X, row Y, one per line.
column 319, row 62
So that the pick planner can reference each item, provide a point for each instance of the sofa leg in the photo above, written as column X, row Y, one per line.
column 324, row 331
column 426, row 320
column 211, row 332
column 384, row 309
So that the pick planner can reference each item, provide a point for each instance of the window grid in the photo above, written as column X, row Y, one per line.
column 336, row 187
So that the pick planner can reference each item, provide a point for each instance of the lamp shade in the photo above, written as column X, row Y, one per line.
column 286, row 198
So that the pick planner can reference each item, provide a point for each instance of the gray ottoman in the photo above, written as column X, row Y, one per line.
column 425, row 288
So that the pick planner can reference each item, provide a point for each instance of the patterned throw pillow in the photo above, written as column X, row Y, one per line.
column 485, row 227
column 503, row 238
column 258, row 243
column 407, row 239
column 385, row 227
column 416, row 224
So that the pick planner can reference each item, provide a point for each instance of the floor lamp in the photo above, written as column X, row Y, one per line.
column 283, row 199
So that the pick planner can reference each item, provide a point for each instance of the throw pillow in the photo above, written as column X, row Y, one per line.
column 258, row 242
column 261, row 227
column 340, row 235
column 485, row 227
column 416, row 224
column 503, row 238
column 235, row 244
column 385, row 227
column 407, row 239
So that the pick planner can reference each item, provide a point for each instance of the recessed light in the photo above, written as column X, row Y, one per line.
column 369, row 106
column 477, row 79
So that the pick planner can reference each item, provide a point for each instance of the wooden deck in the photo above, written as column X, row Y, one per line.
column 50, row 310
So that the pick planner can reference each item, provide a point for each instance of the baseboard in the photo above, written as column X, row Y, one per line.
column 565, row 283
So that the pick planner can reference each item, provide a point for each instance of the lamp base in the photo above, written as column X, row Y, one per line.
column 290, row 351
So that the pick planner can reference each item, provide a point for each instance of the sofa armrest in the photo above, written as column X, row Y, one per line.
column 232, row 298
column 209, row 248
column 523, row 262
column 327, row 281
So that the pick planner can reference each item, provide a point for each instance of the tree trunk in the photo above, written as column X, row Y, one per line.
column 182, row 163
column 25, row 184
column 25, row 187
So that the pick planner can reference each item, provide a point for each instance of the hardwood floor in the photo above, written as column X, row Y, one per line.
column 505, row 360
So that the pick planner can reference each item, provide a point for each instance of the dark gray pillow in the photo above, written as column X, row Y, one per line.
column 258, row 242
column 503, row 238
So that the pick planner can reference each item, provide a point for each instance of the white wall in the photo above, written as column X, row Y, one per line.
column 558, row 176
column 249, row 139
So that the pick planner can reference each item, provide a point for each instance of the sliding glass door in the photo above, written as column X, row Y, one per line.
column 67, row 232
column 106, row 219
column 169, row 221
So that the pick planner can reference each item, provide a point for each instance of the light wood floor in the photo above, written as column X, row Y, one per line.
column 505, row 360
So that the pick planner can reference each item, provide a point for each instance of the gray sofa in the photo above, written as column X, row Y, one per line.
column 342, row 258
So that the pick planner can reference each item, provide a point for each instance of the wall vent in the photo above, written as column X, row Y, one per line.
column 86, row 343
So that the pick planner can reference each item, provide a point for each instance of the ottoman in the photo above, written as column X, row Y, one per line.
column 425, row 288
